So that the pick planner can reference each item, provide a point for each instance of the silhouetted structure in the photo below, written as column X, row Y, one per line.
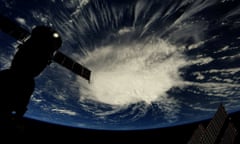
column 17, row 82
column 220, row 130
column 37, row 50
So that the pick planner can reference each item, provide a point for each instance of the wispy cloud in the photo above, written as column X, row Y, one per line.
column 64, row 111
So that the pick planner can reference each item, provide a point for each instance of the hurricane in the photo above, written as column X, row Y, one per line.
column 154, row 63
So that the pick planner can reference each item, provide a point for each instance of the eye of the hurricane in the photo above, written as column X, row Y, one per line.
column 125, row 74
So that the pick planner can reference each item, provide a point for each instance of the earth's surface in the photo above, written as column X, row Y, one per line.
column 155, row 63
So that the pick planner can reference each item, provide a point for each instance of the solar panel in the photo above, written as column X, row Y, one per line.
column 72, row 65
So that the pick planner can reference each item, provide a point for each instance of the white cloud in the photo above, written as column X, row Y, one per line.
column 125, row 30
column 132, row 73
column 84, row 2
column 64, row 111
column 21, row 20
